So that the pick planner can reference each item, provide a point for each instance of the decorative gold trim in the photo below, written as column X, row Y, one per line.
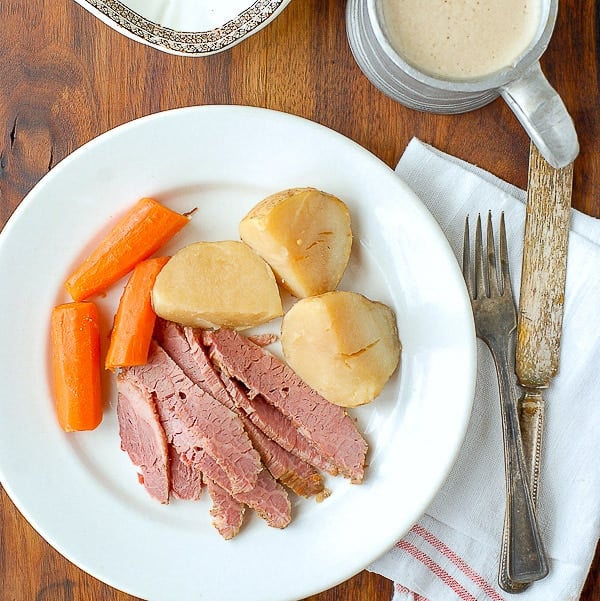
column 188, row 42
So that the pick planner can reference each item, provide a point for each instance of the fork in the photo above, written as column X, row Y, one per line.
column 495, row 316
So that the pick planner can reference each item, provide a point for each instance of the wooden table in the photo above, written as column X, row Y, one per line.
column 65, row 77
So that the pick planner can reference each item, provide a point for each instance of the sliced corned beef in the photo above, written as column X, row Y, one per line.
column 263, row 339
column 268, row 498
column 143, row 437
column 193, row 419
column 228, row 513
column 186, row 477
column 185, row 348
column 290, row 470
column 278, row 427
column 327, row 426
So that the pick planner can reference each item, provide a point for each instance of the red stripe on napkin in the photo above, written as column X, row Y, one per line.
column 448, row 580
column 403, row 589
column 458, row 561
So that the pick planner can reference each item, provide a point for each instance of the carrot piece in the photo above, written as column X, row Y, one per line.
column 75, row 339
column 142, row 231
column 135, row 318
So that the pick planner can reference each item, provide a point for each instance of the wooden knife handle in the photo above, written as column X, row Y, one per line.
column 531, row 419
column 544, row 270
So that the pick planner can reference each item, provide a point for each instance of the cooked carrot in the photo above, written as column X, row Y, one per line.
column 135, row 318
column 75, row 338
column 140, row 233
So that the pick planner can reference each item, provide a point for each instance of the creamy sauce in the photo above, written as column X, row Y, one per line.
column 461, row 39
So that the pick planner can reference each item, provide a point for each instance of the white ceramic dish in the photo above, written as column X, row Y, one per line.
column 80, row 490
column 186, row 27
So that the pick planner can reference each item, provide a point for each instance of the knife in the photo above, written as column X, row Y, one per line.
column 541, row 305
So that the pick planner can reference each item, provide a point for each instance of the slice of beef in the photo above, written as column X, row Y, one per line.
column 263, row 339
column 284, row 466
column 193, row 420
column 268, row 498
column 185, row 348
column 186, row 477
column 143, row 437
column 278, row 427
column 228, row 513
column 327, row 426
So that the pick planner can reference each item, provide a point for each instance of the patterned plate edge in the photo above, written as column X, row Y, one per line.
column 188, row 42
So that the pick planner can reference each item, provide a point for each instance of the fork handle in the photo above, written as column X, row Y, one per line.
column 531, row 420
column 525, row 557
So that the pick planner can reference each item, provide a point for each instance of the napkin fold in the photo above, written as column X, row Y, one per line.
column 453, row 551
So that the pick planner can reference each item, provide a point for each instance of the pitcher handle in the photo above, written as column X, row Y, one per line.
column 544, row 116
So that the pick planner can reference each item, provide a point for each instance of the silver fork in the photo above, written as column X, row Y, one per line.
column 495, row 317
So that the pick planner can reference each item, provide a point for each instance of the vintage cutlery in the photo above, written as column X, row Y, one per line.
column 495, row 317
column 540, row 307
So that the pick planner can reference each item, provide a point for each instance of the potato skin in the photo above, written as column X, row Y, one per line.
column 305, row 235
column 217, row 284
column 343, row 344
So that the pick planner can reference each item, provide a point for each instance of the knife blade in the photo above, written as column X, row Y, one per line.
column 541, row 303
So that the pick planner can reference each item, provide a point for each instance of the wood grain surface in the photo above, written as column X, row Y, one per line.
column 66, row 77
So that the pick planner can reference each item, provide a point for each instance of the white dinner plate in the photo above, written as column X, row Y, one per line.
column 80, row 491
column 186, row 27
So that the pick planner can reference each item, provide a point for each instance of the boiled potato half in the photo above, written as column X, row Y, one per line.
column 343, row 345
column 304, row 235
column 214, row 284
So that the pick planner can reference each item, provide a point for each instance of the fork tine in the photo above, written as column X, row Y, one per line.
column 480, row 271
column 493, row 275
column 466, row 264
column 507, row 288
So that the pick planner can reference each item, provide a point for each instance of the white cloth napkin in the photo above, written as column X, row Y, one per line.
column 452, row 552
